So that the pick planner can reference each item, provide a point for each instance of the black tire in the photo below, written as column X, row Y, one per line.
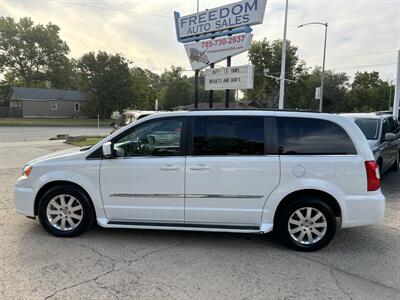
column 87, row 212
column 303, row 202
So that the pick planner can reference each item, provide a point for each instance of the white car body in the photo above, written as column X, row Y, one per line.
column 208, row 193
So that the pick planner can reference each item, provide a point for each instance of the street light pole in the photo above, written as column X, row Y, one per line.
column 321, row 102
column 283, row 61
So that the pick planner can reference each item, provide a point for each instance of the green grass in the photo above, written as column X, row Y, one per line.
column 89, row 141
column 52, row 122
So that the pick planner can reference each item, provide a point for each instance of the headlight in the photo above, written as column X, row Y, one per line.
column 27, row 170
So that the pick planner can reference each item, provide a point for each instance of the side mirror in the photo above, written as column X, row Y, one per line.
column 390, row 136
column 107, row 150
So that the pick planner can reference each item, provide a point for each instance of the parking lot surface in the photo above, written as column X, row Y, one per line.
column 360, row 263
column 41, row 133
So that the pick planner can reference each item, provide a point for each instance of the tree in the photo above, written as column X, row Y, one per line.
column 32, row 54
column 368, row 93
column 301, row 94
column 145, row 88
column 107, row 81
column 267, row 55
column 176, row 90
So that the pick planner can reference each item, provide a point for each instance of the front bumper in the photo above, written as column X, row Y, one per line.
column 364, row 210
column 24, row 198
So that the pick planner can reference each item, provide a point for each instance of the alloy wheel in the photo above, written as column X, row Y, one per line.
column 64, row 212
column 307, row 225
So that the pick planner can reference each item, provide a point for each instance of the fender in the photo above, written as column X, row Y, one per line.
column 88, row 180
column 282, row 191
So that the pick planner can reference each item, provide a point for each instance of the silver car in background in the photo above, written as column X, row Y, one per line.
column 383, row 134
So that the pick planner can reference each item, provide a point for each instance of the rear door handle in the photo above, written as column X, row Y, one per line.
column 171, row 168
column 199, row 168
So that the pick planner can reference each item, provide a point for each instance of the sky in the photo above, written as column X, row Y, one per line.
column 363, row 35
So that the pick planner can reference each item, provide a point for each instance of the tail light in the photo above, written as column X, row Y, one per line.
column 373, row 176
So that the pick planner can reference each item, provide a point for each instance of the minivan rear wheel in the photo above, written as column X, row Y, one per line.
column 65, row 211
column 306, row 224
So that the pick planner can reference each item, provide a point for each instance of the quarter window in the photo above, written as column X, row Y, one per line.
column 53, row 105
column 228, row 136
column 153, row 138
column 306, row 136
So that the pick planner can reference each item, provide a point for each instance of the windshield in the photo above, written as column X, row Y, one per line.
column 370, row 127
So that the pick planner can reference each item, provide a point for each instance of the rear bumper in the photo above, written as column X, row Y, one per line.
column 363, row 210
column 24, row 199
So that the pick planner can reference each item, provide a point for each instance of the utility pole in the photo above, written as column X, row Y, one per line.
column 283, row 62
column 321, row 100
column 397, row 90
column 196, row 78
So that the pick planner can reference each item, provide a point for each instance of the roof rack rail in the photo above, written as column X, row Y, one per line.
column 257, row 109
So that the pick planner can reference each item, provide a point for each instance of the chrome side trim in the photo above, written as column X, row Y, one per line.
column 148, row 195
column 220, row 196
column 224, row 196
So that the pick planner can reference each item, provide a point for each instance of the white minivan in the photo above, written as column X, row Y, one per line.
column 300, row 174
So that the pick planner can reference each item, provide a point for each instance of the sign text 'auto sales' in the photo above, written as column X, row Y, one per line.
column 238, row 14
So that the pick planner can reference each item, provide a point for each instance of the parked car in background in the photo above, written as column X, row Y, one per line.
column 129, row 117
column 382, row 133
column 300, row 174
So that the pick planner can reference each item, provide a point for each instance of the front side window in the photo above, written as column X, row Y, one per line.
column 228, row 136
column 392, row 125
column 385, row 127
column 306, row 136
column 53, row 105
column 154, row 138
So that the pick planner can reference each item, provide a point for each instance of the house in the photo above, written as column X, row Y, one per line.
column 47, row 103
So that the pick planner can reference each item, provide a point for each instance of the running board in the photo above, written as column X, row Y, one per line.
column 187, row 227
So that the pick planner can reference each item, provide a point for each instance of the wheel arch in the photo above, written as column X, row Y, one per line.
column 330, row 200
column 55, row 183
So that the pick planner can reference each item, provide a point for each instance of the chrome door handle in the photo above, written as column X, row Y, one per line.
column 199, row 168
column 171, row 168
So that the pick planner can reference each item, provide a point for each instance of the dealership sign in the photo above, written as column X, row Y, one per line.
column 230, row 78
column 235, row 15
column 205, row 52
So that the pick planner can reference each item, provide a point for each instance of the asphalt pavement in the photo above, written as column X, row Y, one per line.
column 361, row 263
column 41, row 133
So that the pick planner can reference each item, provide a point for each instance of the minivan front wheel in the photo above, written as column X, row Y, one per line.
column 65, row 211
column 306, row 224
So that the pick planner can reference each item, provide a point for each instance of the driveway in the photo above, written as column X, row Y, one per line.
column 361, row 263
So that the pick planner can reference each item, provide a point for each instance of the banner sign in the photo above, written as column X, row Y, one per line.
column 230, row 78
column 234, row 15
column 203, row 53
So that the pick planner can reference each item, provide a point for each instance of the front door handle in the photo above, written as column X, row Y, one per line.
column 171, row 168
column 199, row 168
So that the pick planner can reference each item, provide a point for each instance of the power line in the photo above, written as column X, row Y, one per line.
column 364, row 66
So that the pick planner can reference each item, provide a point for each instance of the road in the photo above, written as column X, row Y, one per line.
column 40, row 133
column 361, row 263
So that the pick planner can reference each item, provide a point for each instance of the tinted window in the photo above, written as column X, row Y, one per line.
column 153, row 138
column 392, row 125
column 370, row 127
column 228, row 136
column 302, row 136
column 385, row 127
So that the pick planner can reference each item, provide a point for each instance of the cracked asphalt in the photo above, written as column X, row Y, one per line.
column 361, row 263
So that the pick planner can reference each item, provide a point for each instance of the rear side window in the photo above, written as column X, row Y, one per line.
column 228, row 136
column 305, row 136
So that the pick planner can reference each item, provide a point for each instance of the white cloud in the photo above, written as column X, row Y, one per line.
column 360, row 32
